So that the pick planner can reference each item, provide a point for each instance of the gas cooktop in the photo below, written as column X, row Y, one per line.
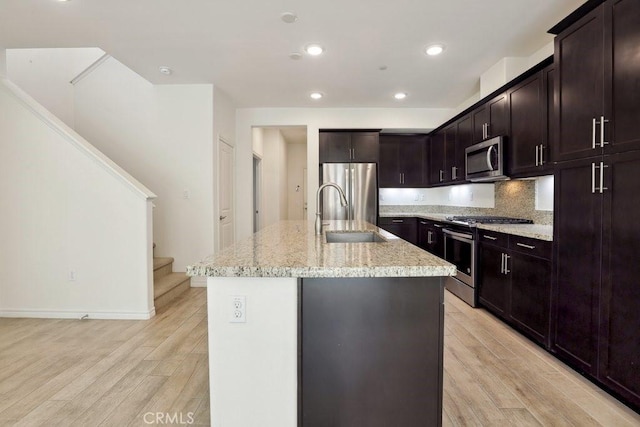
column 478, row 219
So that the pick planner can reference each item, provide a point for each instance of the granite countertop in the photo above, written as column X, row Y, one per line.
column 534, row 231
column 291, row 249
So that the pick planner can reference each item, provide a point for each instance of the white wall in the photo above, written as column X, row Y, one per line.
column 45, row 74
column 253, row 375
column 296, row 165
column 467, row 195
column 65, row 207
column 3, row 62
column 314, row 119
column 163, row 135
column 274, row 176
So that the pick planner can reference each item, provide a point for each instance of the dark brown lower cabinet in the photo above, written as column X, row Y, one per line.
column 493, row 283
column 404, row 227
column 371, row 352
column 430, row 237
column 596, row 314
column 578, row 224
column 515, row 282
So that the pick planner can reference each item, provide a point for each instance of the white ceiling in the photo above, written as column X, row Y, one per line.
column 242, row 46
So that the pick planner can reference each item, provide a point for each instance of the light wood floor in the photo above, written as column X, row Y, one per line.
column 112, row 373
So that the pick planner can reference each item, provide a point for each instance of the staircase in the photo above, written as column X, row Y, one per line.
column 167, row 284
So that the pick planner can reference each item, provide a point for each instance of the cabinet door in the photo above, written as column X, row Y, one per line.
column 364, row 146
column 405, row 228
column 450, row 133
column 546, row 156
column 480, row 117
column 620, row 342
column 494, row 284
column 527, row 102
column 498, row 116
column 530, row 295
column 410, row 149
column 623, row 130
column 436, row 158
column 579, row 87
column 388, row 171
column 423, row 234
column 577, row 238
column 335, row 147
column 464, row 138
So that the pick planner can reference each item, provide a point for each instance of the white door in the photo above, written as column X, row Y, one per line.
column 225, row 194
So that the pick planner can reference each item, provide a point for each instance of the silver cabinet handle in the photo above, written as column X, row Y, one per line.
column 525, row 246
column 602, row 187
column 353, row 152
column 400, row 177
column 537, row 155
column 541, row 154
column 441, row 175
column 429, row 234
column 438, row 226
column 454, row 172
column 593, row 178
column 423, row 223
column 602, row 122
column 593, row 133
column 222, row 217
column 502, row 264
column 398, row 221
column 488, row 127
column 403, row 177
column 489, row 237
column 506, row 264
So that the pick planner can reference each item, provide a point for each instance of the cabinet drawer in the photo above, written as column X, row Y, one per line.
column 529, row 246
column 396, row 220
column 493, row 238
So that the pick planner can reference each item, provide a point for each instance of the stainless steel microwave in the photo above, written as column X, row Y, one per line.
column 485, row 161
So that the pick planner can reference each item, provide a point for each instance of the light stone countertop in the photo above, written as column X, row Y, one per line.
column 534, row 231
column 291, row 249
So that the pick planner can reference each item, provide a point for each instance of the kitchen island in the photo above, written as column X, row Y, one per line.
column 305, row 332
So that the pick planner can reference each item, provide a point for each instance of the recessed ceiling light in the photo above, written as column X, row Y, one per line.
column 400, row 95
column 316, row 95
column 314, row 49
column 289, row 17
column 295, row 55
column 434, row 49
column 165, row 70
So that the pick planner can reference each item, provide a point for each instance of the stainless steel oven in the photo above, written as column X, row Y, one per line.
column 460, row 250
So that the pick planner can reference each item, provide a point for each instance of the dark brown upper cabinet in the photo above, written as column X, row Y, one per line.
column 491, row 118
column 529, row 105
column 346, row 147
column 597, row 88
column 447, row 155
column 401, row 161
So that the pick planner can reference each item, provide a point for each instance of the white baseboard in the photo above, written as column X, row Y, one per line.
column 198, row 282
column 64, row 314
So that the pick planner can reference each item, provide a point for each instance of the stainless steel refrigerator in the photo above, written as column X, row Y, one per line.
column 360, row 184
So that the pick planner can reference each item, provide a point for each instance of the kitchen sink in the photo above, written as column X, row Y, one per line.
column 354, row 237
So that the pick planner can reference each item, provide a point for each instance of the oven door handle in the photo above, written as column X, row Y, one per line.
column 459, row 236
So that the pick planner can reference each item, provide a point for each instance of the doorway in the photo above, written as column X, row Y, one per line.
column 226, row 217
column 257, row 191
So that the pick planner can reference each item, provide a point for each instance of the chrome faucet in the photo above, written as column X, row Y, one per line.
column 343, row 202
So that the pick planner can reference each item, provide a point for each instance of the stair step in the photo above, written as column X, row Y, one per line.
column 162, row 267
column 169, row 287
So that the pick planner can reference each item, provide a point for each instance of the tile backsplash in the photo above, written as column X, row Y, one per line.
column 514, row 198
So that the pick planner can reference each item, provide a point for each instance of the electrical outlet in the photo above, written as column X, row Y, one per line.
column 238, row 309
column 186, row 194
column 72, row 275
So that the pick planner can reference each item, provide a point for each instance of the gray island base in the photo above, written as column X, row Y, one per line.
column 333, row 334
